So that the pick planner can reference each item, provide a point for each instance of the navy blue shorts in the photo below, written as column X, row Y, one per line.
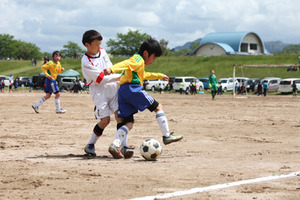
column 133, row 98
column 51, row 86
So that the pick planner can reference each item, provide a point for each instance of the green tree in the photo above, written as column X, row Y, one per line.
column 27, row 50
column 70, row 49
column 7, row 46
column 292, row 49
column 126, row 44
column 164, row 47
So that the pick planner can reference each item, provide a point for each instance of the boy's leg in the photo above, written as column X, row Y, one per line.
column 97, row 132
column 163, row 124
column 57, row 104
column 40, row 102
column 118, row 149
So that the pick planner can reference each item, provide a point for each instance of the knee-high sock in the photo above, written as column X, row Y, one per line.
column 40, row 101
column 57, row 103
column 97, row 132
column 121, row 137
column 163, row 123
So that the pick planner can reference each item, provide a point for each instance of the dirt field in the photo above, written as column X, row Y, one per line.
column 226, row 140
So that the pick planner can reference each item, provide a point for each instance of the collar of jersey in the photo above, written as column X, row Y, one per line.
column 93, row 57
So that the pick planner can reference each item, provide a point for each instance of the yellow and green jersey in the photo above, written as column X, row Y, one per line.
column 133, row 71
column 51, row 69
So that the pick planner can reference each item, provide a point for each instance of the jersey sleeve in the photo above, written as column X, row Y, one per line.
column 92, row 73
column 153, row 76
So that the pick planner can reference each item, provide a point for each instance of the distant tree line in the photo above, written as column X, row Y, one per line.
column 124, row 45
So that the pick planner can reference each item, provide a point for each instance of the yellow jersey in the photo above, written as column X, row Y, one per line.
column 133, row 71
column 51, row 69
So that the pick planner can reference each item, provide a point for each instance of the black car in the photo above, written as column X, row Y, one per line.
column 251, row 83
column 24, row 81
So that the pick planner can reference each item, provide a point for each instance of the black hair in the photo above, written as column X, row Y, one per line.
column 90, row 36
column 151, row 46
column 55, row 53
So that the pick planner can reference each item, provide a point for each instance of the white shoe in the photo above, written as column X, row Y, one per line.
column 35, row 108
column 61, row 110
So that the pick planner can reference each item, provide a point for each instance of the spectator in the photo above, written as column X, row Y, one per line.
column 265, row 86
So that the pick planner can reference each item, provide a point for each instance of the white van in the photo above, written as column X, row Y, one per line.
column 285, row 85
column 187, row 81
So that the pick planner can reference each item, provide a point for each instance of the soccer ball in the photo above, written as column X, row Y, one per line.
column 150, row 149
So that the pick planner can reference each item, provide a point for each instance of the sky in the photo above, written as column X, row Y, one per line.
column 50, row 24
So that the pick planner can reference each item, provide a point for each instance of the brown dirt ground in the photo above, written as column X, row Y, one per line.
column 226, row 140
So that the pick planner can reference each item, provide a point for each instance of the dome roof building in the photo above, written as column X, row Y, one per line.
column 242, row 43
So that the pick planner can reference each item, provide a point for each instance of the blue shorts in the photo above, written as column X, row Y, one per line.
column 51, row 86
column 133, row 98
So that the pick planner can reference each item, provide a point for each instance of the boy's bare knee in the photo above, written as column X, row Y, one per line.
column 129, row 125
column 159, row 107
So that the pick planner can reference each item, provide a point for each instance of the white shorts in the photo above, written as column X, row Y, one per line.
column 105, row 98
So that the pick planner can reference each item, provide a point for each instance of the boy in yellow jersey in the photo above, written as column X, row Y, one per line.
column 51, row 69
column 133, row 98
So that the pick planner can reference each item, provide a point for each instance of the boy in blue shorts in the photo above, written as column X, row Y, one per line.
column 133, row 98
column 51, row 69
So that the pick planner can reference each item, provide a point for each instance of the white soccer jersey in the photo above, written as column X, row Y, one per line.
column 103, row 89
column 92, row 68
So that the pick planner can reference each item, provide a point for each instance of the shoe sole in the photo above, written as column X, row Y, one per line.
column 171, row 141
column 35, row 110
column 115, row 154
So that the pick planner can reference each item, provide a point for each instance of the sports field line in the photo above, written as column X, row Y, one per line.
column 216, row 187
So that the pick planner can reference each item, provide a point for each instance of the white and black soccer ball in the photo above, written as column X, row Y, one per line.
column 150, row 149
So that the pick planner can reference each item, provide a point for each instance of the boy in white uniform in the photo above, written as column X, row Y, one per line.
column 103, row 89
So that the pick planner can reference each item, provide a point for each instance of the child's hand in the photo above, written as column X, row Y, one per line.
column 62, row 69
column 107, row 71
column 50, row 77
column 165, row 78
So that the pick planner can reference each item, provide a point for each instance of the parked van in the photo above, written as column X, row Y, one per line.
column 273, row 84
column 285, row 85
column 187, row 81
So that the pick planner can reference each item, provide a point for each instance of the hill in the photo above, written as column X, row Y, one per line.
column 179, row 66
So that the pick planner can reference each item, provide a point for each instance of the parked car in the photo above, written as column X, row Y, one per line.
column 227, row 84
column 241, row 80
column 153, row 84
column 6, row 80
column 23, row 81
column 205, row 82
column 251, row 83
column 273, row 84
column 187, row 81
column 285, row 85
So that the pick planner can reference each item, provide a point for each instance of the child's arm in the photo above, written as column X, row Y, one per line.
column 44, row 68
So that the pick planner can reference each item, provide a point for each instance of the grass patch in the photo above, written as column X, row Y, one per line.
column 179, row 66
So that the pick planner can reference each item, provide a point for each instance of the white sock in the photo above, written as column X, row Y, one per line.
column 93, row 138
column 40, row 102
column 121, row 136
column 57, row 103
column 163, row 123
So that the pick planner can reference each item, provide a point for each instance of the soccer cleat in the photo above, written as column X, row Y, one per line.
column 90, row 149
column 171, row 138
column 61, row 110
column 35, row 108
column 115, row 152
column 127, row 152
